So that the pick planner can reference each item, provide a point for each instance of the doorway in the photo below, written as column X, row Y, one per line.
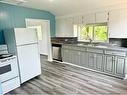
column 43, row 33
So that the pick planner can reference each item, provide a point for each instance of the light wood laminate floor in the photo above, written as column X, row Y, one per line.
column 63, row 79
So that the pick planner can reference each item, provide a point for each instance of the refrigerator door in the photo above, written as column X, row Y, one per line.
column 25, row 36
column 29, row 62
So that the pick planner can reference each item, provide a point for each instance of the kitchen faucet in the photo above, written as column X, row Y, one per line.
column 90, row 40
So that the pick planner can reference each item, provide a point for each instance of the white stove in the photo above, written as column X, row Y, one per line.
column 9, row 73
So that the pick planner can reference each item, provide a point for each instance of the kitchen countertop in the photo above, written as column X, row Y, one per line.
column 106, row 47
column 57, row 43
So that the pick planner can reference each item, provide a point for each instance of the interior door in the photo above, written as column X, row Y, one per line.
column 29, row 62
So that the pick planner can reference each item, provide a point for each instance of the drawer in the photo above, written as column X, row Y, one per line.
column 83, row 49
column 119, row 53
column 75, row 48
column 94, row 50
column 64, row 46
column 10, row 85
column 69, row 47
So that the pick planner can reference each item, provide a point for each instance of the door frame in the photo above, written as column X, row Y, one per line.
column 48, row 38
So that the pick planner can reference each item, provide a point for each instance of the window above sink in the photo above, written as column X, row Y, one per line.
column 92, row 32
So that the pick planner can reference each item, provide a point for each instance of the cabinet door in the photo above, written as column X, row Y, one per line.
column 90, row 18
column 101, row 17
column 66, row 55
column 91, row 60
column 99, row 62
column 75, row 57
column 109, row 64
column 120, row 66
column 117, row 24
column 63, row 55
column 83, row 59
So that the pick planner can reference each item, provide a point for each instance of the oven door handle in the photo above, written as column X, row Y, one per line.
column 5, row 60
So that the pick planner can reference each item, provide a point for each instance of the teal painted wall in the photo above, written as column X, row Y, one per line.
column 14, row 16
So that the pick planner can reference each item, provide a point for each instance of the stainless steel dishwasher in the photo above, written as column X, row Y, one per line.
column 56, row 51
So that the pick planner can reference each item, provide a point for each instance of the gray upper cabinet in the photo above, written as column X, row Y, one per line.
column 119, row 66
column 109, row 64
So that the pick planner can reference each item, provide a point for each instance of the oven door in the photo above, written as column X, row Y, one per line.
column 8, row 69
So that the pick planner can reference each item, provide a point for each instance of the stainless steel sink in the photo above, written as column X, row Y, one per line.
column 101, row 46
column 88, row 44
column 93, row 45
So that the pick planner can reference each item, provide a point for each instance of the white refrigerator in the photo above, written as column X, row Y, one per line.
column 24, row 43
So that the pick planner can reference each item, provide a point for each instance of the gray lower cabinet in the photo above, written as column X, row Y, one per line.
column 109, row 64
column 91, row 60
column 115, row 65
column 75, row 57
column 83, row 59
column 120, row 66
column 66, row 55
column 95, row 61
column 99, row 62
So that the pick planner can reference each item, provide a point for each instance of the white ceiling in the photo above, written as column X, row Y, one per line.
column 68, row 7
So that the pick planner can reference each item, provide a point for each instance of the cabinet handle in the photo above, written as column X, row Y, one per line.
column 113, row 59
column 79, row 53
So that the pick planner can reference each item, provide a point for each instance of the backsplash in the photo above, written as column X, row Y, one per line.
column 118, row 42
column 68, row 40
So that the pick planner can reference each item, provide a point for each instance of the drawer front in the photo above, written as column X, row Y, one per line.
column 83, row 49
column 67, row 46
column 94, row 50
column 10, row 85
column 64, row 46
column 75, row 48
column 118, row 53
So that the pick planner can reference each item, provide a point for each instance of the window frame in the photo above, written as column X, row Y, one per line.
column 94, row 25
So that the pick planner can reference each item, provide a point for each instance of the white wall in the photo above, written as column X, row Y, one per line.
column 64, row 28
